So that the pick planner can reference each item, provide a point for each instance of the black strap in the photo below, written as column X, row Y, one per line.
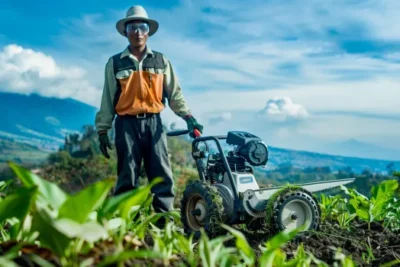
column 155, row 62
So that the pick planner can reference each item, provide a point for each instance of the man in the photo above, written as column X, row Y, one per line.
column 137, row 82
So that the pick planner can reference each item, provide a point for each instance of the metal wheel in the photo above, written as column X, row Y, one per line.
column 296, row 213
column 202, row 208
column 196, row 212
column 294, row 209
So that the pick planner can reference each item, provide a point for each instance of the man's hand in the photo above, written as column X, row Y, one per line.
column 104, row 144
column 193, row 124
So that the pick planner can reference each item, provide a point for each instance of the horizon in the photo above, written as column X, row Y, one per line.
column 324, row 78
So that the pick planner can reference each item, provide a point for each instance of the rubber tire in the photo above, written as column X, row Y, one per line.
column 203, row 189
column 281, row 201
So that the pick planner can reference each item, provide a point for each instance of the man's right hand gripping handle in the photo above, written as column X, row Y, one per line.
column 105, row 143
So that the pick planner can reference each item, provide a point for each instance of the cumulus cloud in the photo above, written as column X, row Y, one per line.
column 282, row 109
column 24, row 70
column 251, row 61
column 219, row 118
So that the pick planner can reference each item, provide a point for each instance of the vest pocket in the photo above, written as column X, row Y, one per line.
column 123, row 74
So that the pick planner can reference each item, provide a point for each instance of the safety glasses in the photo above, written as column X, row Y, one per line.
column 142, row 28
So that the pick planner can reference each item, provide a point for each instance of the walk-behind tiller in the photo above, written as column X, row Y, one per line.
column 227, row 191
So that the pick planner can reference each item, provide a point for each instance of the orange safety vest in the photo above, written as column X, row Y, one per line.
column 139, row 89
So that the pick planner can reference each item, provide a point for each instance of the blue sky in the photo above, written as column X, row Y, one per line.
column 299, row 74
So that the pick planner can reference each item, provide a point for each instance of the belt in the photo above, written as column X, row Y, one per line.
column 141, row 115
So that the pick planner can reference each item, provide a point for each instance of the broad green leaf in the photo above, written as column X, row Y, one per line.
column 49, row 235
column 186, row 245
column 229, row 257
column 114, row 224
column 142, row 227
column 40, row 261
column 15, row 226
column 125, row 201
column 353, row 205
column 381, row 194
column 6, row 262
column 3, row 185
column 205, row 250
column 79, row 206
column 17, row 205
column 363, row 214
column 347, row 262
column 384, row 190
column 241, row 243
column 268, row 257
column 280, row 258
column 48, row 192
column 282, row 238
column 90, row 231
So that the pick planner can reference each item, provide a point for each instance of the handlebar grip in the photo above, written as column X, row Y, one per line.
column 196, row 133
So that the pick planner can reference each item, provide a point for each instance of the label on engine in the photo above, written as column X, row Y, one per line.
column 246, row 179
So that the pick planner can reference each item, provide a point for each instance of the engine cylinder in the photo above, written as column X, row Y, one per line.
column 255, row 152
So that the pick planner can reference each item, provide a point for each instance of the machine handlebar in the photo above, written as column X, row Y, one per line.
column 182, row 132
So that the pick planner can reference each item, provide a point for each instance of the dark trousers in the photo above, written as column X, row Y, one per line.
column 138, row 139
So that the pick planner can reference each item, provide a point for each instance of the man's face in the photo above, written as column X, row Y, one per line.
column 137, row 33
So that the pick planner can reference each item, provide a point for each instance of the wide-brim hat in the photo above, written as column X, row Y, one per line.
column 137, row 13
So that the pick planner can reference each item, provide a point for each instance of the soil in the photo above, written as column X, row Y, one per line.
column 354, row 242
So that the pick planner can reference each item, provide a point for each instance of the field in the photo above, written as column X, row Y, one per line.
column 44, row 225
column 20, row 152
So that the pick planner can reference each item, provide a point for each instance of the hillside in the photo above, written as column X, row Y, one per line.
column 43, row 123
column 20, row 153
column 355, row 148
column 41, row 120
column 303, row 159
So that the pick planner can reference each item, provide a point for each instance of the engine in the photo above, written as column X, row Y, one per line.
column 249, row 151
column 249, row 148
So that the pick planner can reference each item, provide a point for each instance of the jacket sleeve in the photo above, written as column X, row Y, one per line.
column 176, row 100
column 106, row 114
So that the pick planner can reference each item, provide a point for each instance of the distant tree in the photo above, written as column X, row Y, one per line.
column 390, row 168
column 346, row 172
column 367, row 173
column 396, row 174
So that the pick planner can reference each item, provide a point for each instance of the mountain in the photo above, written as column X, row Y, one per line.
column 303, row 159
column 42, row 121
column 356, row 148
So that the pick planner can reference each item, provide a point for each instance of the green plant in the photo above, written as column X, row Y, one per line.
column 344, row 219
column 68, row 224
column 331, row 206
column 372, row 209
column 392, row 214
column 92, row 228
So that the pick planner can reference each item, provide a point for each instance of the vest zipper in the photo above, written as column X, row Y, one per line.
column 150, row 80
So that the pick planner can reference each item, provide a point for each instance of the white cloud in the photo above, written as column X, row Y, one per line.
column 24, row 70
column 282, row 109
column 218, row 118
column 233, row 59
column 52, row 120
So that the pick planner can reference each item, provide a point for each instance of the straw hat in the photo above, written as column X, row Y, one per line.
column 137, row 13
